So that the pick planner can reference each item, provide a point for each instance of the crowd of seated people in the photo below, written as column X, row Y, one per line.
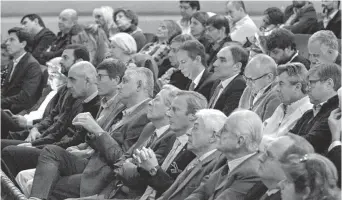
column 212, row 107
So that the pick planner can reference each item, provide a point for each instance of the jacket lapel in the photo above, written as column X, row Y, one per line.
column 222, row 97
column 262, row 97
column 202, row 80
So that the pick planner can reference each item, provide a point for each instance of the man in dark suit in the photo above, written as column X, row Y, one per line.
column 235, row 178
column 228, row 68
column 192, row 63
column 269, row 167
column 332, row 18
column 261, row 96
column 281, row 46
column 202, row 143
column 21, row 87
column 324, row 81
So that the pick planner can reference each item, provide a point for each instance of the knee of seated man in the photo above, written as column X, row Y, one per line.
column 52, row 151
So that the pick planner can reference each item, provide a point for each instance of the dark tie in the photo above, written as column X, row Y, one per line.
column 192, row 86
column 152, row 139
column 215, row 96
column 316, row 109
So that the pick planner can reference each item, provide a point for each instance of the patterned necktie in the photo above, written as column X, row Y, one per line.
column 152, row 139
column 213, row 99
column 192, row 86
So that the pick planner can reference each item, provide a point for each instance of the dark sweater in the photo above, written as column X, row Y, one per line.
column 138, row 36
column 41, row 43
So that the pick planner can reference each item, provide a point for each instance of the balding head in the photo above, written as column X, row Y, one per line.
column 235, row 11
column 67, row 19
column 260, row 72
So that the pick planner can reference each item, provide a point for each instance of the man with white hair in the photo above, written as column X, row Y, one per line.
column 239, row 141
column 324, row 47
column 260, row 94
column 202, row 143
column 67, row 19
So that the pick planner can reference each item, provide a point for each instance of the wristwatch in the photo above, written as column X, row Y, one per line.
column 153, row 170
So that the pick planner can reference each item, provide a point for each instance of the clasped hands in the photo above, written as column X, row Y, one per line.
column 145, row 158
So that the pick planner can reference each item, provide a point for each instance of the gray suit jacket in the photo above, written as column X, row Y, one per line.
column 234, row 185
column 265, row 105
column 109, row 148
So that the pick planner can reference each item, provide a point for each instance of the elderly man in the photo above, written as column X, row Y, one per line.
column 324, row 47
column 324, row 81
column 134, row 92
column 228, row 68
column 202, row 143
column 192, row 63
column 292, row 90
column 239, row 141
column 269, row 167
column 67, row 19
column 260, row 95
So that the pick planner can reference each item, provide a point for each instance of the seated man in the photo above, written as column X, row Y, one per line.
column 281, row 46
column 324, row 48
column 332, row 17
column 202, row 143
column 187, row 9
column 20, row 90
column 239, row 141
column 292, row 91
column 260, row 96
column 324, row 81
column 269, row 167
column 134, row 92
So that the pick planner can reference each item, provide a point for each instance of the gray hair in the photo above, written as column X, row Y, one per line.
column 264, row 63
column 171, row 93
column 126, row 42
column 72, row 14
column 297, row 73
column 195, row 101
column 325, row 37
column 145, row 76
column 87, row 70
column 107, row 13
column 247, row 124
column 213, row 119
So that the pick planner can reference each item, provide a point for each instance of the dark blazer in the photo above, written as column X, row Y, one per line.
column 335, row 156
column 334, row 25
column 230, row 97
column 41, row 43
column 184, row 186
column 109, row 148
column 233, row 185
column 204, row 85
column 22, row 92
column 316, row 129
column 258, row 191
column 179, row 80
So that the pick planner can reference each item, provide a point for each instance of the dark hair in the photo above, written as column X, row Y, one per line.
column 33, row 17
column 76, row 29
column 201, row 17
column 22, row 36
column 193, row 4
column 80, row 51
column 280, row 38
column 275, row 15
column 219, row 21
column 114, row 67
column 3, row 46
column 194, row 49
column 182, row 38
column 239, row 55
column 129, row 14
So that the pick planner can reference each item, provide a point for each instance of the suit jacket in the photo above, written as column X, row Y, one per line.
column 230, row 97
column 335, row 156
column 204, row 85
column 334, row 25
column 182, row 188
column 41, row 42
column 22, row 92
column 316, row 129
column 233, row 185
column 109, row 147
column 265, row 105
column 258, row 191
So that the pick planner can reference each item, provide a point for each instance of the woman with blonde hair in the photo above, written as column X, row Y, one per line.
column 312, row 177
column 123, row 47
column 104, row 19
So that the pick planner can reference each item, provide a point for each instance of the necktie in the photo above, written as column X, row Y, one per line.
column 213, row 99
column 188, row 170
column 152, row 139
column 192, row 86
column 316, row 109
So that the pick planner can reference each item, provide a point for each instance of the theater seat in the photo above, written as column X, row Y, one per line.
column 302, row 44
column 150, row 37
column 9, row 190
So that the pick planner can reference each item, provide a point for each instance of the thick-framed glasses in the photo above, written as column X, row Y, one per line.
column 100, row 76
column 252, row 80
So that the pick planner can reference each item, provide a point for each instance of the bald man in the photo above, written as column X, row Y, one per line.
column 260, row 95
column 67, row 19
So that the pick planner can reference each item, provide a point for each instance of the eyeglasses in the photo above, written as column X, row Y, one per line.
column 255, row 79
column 99, row 76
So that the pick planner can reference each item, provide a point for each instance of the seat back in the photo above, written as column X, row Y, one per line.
column 9, row 190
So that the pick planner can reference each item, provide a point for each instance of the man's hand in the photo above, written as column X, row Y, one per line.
column 33, row 135
column 334, row 122
column 20, row 120
column 146, row 158
column 88, row 122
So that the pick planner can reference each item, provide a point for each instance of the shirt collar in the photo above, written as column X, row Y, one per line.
column 293, row 57
column 236, row 162
column 297, row 104
column 161, row 130
column 19, row 58
column 332, row 15
column 227, row 81
column 206, row 155
column 183, row 139
column 242, row 20
column 128, row 111
column 271, row 192
column 107, row 103
column 198, row 78
column 91, row 97
column 262, row 91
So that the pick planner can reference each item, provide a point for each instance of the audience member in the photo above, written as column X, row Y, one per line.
column 242, row 26
column 192, row 63
column 272, row 19
column 202, row 143
column 198, row 23
column 67, row 19
column 292, row 91
column 228, row 69
column 173, row 75
column 269, row 166
column 24, row 78
column 127, row 22
column 261, row 95
column 238, row 141
column 303, row 18
column 332, row 17
column 103, row 17
column 123, row 47
column 187, row 9
column 311, row 176
column 43, row 37
column 217, row 33
column 324, row 47
column 281, row 46
column 324, row 81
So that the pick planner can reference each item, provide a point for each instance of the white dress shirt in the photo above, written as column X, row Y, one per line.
column 243, row 29
column 15, row 63
column 198, row 78
column 327, row 19
column 236, row 162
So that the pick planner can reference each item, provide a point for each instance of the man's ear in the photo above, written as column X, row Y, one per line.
column 198, row 59
column 139, row 85
column 192, row 117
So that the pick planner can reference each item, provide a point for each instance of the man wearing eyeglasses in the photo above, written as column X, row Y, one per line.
column 260, row 95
